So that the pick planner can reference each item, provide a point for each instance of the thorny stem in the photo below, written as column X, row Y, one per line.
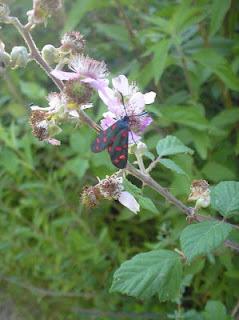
column 35, row 54
column 142, row 176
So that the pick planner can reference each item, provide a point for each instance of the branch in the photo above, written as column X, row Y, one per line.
column 35, row 54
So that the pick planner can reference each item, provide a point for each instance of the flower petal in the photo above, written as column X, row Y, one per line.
column 107, row 121
column 133, row 137
column 136, row 102
column 127, row 200
column 62, row 75
column 110, row 100
column 53, row 141
column 121, row 84
column 145, row 122
column 149, row 97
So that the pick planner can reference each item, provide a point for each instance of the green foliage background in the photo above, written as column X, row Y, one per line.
column 58, row 258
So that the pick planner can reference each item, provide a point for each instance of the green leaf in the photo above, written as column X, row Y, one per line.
column 215, row 310
column 216, row 172
column 219, row 9
column 131, row 188
column 160, row 57
column 189, row 116
column 202, row 238
column 226, row 118
column 213, row 61
column 172, row 166
column 171, row 145
column 32, row 90
column 146, row 274
column 79, row 9
column 116, row 33
column 225, row 198
column 147, row 204
column 9, row 161
column 77, row 166
column 201, row 142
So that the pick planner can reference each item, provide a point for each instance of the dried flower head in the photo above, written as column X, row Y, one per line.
column 38, row 124
column 90, row 196
column 77, row 91
column 44, row 127
column 110, row 188
column 42, row 9
column 200, row 193
column 73, row 42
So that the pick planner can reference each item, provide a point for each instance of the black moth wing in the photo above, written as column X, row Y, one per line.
column 118, row 150
column 104, row 139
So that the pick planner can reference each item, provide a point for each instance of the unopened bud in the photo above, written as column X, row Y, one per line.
column 19, row 57
column 73, row 42
column 50, row 54
column 141, row 148
column 4, row 61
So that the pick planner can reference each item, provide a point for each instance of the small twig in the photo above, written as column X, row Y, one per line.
column 140, row 162
column 153, row 164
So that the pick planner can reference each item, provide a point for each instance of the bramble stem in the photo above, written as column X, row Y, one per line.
column 34, row 51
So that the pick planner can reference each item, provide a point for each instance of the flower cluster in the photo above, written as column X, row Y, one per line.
column 124, row 99
column 110, row 188
column 200, row 193
column 45, row 121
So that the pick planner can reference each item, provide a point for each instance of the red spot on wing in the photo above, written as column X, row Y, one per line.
column 118, row 148
column 122, row 157
column 105, row 139
column 124, row 134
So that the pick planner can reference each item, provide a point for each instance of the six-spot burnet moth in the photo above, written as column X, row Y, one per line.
column 115, row 139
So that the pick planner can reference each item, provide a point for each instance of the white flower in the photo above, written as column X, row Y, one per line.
column 126, row 99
